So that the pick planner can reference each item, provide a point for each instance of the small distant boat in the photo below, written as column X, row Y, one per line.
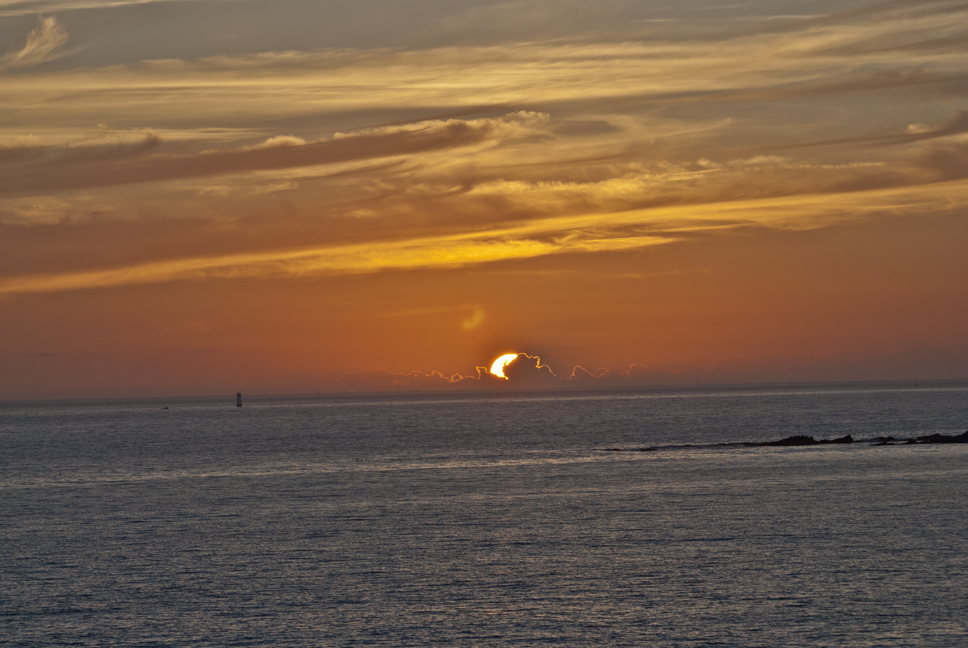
column 238, row 399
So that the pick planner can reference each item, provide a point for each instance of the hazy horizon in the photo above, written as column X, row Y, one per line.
column 570, row 390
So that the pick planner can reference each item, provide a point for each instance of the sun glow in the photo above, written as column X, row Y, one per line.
column 498, row 367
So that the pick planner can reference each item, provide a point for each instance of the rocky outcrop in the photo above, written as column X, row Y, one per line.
column 797, row 440
column 844, row 439
column 944, row 438
column 803, row 440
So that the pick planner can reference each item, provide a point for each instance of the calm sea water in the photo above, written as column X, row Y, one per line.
column 495, row 520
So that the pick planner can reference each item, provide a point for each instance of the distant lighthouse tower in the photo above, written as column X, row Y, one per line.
column 238, row 399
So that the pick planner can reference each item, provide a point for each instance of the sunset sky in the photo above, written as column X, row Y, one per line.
column 207, row 196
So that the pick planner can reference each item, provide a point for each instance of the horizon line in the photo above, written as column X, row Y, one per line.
column 503, row 390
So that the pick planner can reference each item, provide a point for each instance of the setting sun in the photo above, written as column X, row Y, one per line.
column 498, row 367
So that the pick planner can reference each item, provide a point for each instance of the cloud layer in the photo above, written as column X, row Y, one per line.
column 484, row 137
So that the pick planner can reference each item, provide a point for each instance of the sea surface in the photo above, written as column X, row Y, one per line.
column 509, row 519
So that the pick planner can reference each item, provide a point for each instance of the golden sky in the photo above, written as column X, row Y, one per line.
column 202, row 196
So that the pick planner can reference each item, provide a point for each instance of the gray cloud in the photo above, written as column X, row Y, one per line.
column 954, row 126
column 99, row 166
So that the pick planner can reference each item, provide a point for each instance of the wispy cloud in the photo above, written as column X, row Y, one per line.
column 448, row 251
column 42, row 45
column 835, row 55
column 485, row 153
column 589, row 233
column 957, row 125
column 94, row 166
column 30, row 7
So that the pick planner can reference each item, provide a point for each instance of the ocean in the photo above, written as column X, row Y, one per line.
column 632, row 518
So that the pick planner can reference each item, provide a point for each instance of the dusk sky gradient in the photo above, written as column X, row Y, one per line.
column 206, row 196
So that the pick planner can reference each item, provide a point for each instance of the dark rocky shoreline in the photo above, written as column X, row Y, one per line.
column 944, row 438
column 801, row 440
column 804, row 440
